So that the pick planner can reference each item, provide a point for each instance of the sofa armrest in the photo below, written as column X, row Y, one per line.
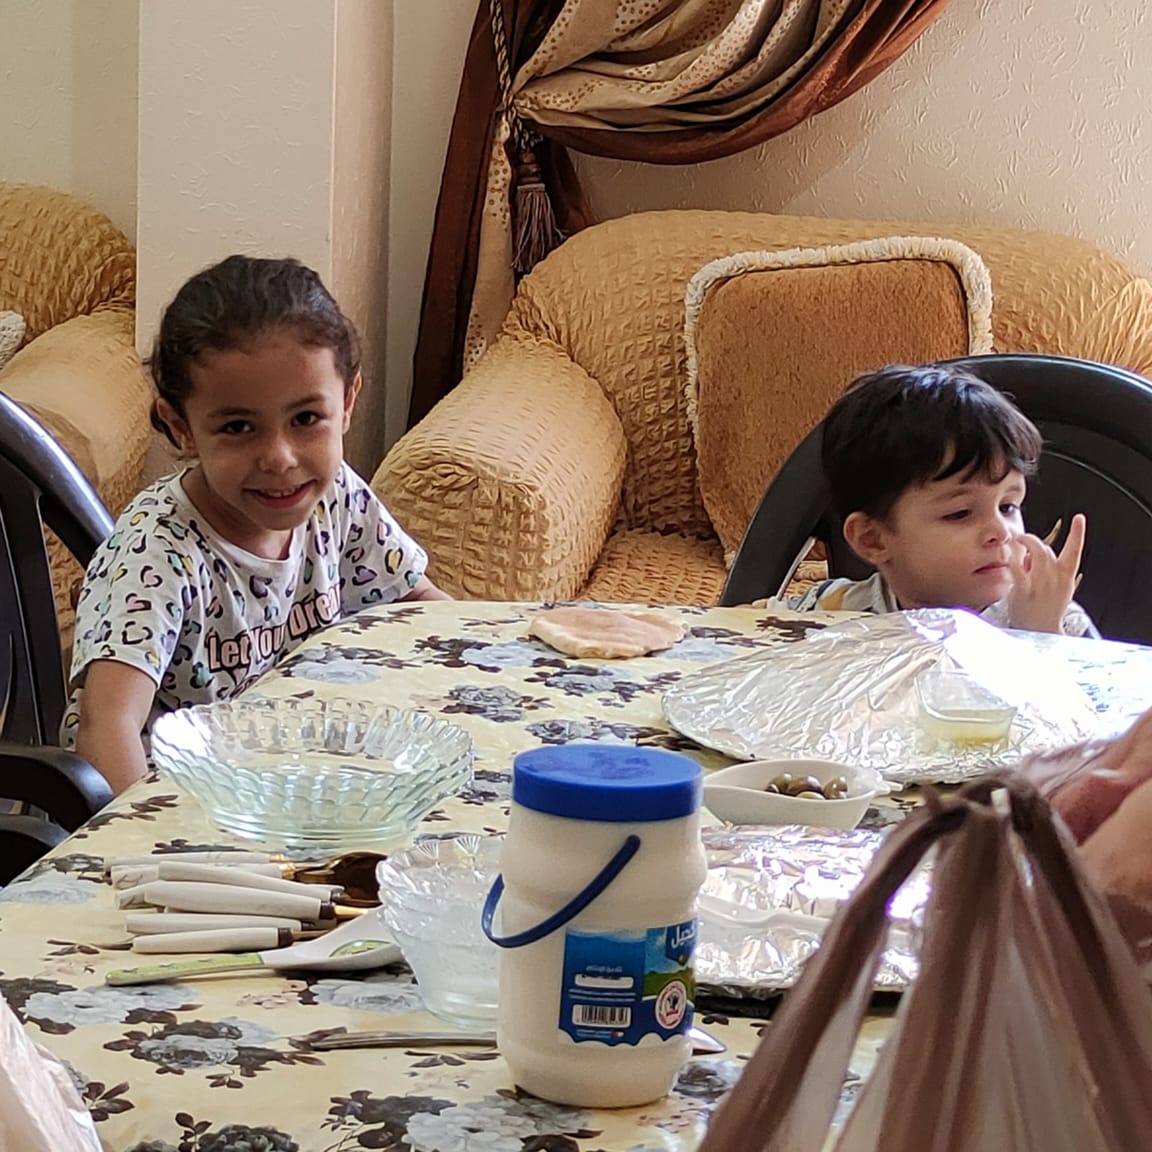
column 512, row 481
column 84, row 382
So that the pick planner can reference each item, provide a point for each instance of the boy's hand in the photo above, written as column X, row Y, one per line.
column 1043, row 583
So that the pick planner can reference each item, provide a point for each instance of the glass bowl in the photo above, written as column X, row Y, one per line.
column 323, row 775
column 431, row 896
column 958, row 709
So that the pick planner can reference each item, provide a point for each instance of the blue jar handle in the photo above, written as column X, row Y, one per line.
column 570, row 910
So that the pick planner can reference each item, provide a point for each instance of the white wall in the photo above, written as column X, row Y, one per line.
column 68, row 99
column 265, row 128
column 1006, row 112
column 361, row 152
column 235, row 151
column 430, row 38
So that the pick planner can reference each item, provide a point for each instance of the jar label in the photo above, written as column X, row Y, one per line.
column 622, row 986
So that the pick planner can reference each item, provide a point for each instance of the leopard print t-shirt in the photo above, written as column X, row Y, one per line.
column 204, row 618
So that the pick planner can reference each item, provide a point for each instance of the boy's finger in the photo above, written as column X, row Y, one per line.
column 1050, row 539
column 1069, row 558
column 1019, row 557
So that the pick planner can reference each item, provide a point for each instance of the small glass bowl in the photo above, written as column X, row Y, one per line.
column 322, row 775
column 431, row 896
column 956, row 709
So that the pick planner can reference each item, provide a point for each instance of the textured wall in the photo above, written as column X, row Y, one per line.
column 1008, row 112
column 235, row 138
column 430, row 39
column 362, row 109
column 68, row 94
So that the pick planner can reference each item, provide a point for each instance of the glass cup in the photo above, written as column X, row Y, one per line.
column 958, row 709
column 431, row 896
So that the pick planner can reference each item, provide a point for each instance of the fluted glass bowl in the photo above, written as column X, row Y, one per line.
column 432, row 895
column 317, row 774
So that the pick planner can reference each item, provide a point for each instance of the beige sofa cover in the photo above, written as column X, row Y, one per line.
column 71, row 274
column 564, row 465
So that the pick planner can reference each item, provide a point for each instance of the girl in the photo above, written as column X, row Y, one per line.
column 212, row 575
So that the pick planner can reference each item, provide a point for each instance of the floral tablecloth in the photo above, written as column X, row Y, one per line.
column 221, row 1064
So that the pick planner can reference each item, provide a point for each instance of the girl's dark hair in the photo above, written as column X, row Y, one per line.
column 902, row 426
column 227, row 304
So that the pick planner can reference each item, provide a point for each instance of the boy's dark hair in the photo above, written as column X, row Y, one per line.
column 902, row 426
column 222, row 306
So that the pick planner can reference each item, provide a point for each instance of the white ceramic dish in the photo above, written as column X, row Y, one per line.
column 737, row 796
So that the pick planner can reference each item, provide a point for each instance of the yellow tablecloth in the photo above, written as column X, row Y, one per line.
column 217, row 1065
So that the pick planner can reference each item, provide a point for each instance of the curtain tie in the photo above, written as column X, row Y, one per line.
column 535, row 231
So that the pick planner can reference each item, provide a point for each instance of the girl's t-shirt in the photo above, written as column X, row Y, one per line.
column 204, row 618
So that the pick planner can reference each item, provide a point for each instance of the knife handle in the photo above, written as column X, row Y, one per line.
column 188, row 896
column 242, row 878
column 111, row 862
column 242, row 940
column 133, row 875
column 150, row 923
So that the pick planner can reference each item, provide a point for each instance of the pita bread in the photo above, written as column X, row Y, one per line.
column 605, row 633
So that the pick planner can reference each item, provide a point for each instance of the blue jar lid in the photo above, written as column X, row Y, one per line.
column 612, row 782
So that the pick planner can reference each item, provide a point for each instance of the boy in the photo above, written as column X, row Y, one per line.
column 927, row 468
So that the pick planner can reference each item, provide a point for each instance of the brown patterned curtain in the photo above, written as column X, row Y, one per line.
column 661, row 81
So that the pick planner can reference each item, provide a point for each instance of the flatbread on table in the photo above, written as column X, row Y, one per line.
column 605, row 633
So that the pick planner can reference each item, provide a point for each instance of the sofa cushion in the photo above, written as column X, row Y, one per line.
column 773, row 337
column 641, row 567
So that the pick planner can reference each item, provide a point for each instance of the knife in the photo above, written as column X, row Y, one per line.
column 703, row 1043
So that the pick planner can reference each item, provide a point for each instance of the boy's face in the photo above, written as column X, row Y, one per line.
column 946, row 543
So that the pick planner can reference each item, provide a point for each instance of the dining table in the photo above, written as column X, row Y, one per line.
column 225, row 1064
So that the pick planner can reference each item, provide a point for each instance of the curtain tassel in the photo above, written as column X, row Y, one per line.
column 535, row 231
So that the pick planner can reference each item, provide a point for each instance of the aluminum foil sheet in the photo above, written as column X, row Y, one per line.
column 848, row 693
column 770, row 894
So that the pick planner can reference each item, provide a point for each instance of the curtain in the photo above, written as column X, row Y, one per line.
column 659, row 81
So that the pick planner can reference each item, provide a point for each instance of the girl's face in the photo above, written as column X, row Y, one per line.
column 266, row 423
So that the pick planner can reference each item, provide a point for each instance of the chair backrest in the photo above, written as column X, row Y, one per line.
column 1097, row 426
column 39, row 485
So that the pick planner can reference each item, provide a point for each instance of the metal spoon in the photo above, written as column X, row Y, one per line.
column 355, row 872
column 703, row 1043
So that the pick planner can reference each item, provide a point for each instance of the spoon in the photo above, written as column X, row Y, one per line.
column 355, row 872
column 356, row 945
column 703, row 1043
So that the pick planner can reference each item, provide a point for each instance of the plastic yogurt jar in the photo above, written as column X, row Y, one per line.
column 601, row 867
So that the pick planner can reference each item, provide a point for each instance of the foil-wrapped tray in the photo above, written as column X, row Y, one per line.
column 771, row 892
column 848, row 693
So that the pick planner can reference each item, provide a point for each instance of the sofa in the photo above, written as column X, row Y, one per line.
column 565, row 464
column 70, row 273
